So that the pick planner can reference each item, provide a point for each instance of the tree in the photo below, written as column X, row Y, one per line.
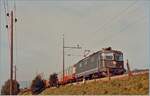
column 6, row 88
column 37, row 85
column 53, row 80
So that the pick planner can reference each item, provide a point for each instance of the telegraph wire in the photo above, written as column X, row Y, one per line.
column 7, row 5
column 5, row 10
column 6, row 16
column 14, row 7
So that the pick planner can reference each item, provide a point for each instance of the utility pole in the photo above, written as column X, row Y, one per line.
column 11, row 54
column 11, row 27
column 67, row 47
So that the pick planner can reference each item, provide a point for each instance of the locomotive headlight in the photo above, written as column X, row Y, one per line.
column 114, row 62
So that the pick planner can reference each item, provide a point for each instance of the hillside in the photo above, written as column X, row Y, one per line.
column 137, row 85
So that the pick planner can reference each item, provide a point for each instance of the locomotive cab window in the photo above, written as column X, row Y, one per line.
column 118, row 57
column 107, row 56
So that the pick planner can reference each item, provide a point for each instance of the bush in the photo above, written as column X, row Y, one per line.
column 53, row 80
column 6, row 88
column 37, row 85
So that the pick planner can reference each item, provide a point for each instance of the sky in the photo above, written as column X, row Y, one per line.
column 123, row 25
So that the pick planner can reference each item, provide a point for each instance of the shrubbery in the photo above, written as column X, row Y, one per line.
column 37, row 85
column 6, row 88
column 53, row 80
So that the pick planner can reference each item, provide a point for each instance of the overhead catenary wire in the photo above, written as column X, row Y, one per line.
column 112, row 36
column 115, row 17
column 118, row 15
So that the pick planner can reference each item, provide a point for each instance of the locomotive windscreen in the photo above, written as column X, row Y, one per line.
column 118, row 57
column 107, row 56
column 112, row 59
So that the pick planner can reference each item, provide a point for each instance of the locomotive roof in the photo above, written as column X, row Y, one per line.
column 101, row 51
column 114, row 51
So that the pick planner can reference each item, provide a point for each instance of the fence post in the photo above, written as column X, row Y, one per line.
column 108, row 73
column 129, row 71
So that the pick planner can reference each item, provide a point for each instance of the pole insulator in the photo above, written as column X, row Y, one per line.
column 7, row 14
column 6, row 26
column 15, row 19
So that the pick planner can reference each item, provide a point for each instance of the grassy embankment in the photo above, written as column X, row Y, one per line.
column 137, row 85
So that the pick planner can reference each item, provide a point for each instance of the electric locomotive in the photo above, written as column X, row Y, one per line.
column 95, row 65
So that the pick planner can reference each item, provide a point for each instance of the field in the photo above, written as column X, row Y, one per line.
column 136, row 85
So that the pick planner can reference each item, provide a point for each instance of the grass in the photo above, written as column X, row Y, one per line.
column 136, row 85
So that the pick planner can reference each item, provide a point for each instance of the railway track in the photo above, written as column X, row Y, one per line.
column 111, row 78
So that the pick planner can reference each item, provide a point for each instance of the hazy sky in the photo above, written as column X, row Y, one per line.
column 93, row 25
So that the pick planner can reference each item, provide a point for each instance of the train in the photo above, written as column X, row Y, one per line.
column 95, row 65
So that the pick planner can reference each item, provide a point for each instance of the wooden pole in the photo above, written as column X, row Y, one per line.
column 129, row 71
column 11, row 54
column 108, row 73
